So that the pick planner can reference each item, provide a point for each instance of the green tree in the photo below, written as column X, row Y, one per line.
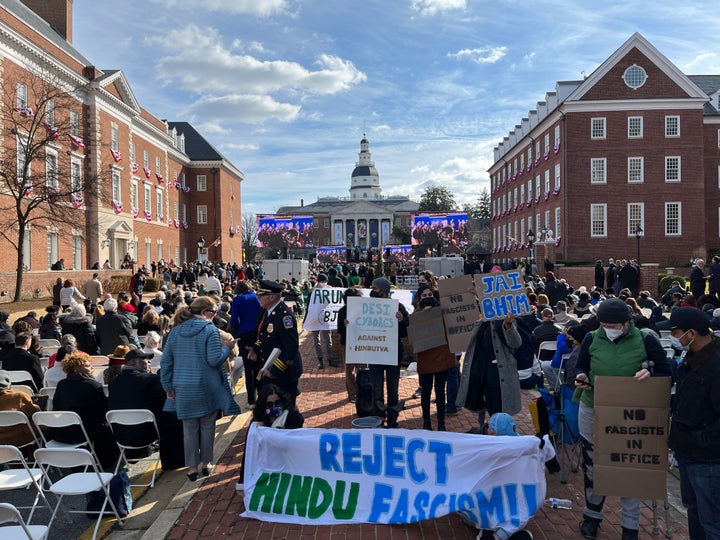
column 437, row 199
column 249, row 237
column 480, row 209
column 401, row 235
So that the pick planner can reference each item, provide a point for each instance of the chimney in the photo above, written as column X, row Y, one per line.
column 57, row 13
column 302, row 203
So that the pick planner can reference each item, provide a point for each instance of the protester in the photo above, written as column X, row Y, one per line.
column 695, row 428
column 244, row 326
column 619, row 349
column 350, row 369
column 192, row 375
column 322, row 338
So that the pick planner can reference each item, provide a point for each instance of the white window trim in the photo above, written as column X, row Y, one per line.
column 201, row 184
column 604, row 178
column 52, row 181
column 198, row 216
column 642, row 170
column 679, row 162
column 679, row 205
column 604, row 128
column 640, row 135
column 605, row 220
column 631, row 229
column 678, row 126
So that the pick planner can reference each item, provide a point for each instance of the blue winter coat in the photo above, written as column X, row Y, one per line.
column 192, row 367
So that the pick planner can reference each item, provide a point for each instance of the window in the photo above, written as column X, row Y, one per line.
column 557, row 222
column 672, row 126
column 537, row 149
column 146, row 159
column 27, row 249
column 74, row 124
column 157, row 165
column 202, row 214
column 134, row 194
column 547, row 181
column 522, row 162
column 50, row 112
column 201, row 182
column 718, row 138
column 116, row 188
column 634, row 76
column 673, row 218
column 598, row 220
column 51, row 172
column 597, row 128
column 522, row 193
column 147, row 198
column 176, row 210
column 52, row 246
column 21, row 99
column 635, row 127
column 515, row 197
column 598, row 171
column 636, row 169
column 672, row 169
column 636, row 218
column 530, row 188
column 530, row 154
column 114, row 138
column 23, row 164
column 159, row 203
column 530, row 223
column 184, row 212
column 160, row 252
column 547, row 143
column 557, row 136
column 547, row 219
column 537, row 186
column 133, row 152
column 76, row 184
column 77, row 243
column 557, row 177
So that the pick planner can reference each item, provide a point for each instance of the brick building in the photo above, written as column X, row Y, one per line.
column 159, row 185
column 627, row 157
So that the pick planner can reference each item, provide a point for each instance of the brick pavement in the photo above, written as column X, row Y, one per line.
column 214, row 510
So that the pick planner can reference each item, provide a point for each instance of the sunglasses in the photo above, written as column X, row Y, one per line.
column 277, row 403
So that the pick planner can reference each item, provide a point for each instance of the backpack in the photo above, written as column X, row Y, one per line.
column 365, row 404
column 119, row 493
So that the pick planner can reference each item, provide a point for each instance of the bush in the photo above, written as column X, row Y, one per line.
column 152, row 285
column 575, row 263
column 665, row 280
column 117, row 284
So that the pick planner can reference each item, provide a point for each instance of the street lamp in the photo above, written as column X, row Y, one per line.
column 201, row 246
column 638, row 234
column 531, row 240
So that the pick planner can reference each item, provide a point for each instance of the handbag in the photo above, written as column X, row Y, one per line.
column 119, row 494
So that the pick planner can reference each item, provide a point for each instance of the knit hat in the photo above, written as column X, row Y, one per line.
column 322, row 278
column 503, row 424
column 383, row 284
column 613, row 310
column 577, row 332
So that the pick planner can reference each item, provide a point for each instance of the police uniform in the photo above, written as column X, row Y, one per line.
column 278, row 329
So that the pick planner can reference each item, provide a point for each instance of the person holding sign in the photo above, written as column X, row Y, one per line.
column 695, row 427
column 617, row 348
column 389, row 375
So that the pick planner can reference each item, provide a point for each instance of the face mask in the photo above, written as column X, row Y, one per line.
column 613, row 333
column 375, row 294
column 274, row 412
column 675, row 342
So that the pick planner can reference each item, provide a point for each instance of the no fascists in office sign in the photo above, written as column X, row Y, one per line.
column 500, row 294
column 459, row 311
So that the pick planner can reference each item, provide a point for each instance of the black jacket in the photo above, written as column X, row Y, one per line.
column 112, row 330
column 695, row 428
column 21, row 360
column 134, row 389
column 84, row 333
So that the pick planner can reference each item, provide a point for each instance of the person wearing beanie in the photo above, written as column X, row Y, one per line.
column 618, row 349
column 695, row 425
column 382, row 374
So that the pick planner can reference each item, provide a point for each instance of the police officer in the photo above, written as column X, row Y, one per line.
column 277, row 328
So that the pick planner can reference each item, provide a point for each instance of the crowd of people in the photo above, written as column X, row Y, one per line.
column 207, row 315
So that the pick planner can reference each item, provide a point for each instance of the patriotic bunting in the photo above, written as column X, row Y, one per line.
column 147, row 172
column 26, row 112
column 52, row 131
column 135, row 168
column 117, row 206
column 77, row 141
column 117, row 156
column 135, row 212
column 77, row 199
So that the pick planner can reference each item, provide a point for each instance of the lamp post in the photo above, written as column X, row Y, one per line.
column 638, row 234
column 531, row 240
column 201, row 246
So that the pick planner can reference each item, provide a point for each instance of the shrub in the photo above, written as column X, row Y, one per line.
column 152, row 285
column 665, row 280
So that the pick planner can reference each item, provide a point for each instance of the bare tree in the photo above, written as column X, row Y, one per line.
column 39, row 182
column 249, row 236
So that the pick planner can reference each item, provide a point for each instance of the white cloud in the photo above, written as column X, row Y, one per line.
column 258, row 8
column 240, row 147
column 203, row 64
column 251, row 109
column 481, row 55
column 432, row 7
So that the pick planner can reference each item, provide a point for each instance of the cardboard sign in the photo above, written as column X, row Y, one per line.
column 426, row 330
column 372, row 335
column 501, row 293
column 631, row 430
column 459, row 310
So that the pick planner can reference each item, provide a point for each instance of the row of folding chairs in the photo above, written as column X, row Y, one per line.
column 43, row 420
column 71, row 482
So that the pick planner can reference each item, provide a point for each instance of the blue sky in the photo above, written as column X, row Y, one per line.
column 285, row 88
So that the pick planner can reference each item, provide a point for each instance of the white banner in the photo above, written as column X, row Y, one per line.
column 322, row 306
column 330, row 476
column 373, row 334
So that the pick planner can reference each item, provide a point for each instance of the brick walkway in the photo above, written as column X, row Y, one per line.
column 214, row 510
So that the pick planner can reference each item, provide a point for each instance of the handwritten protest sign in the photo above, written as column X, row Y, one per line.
column 631, row 429
column 372, row 335
column 459, row 310
column 335, row 476
column 501, row 293
column 426, row 330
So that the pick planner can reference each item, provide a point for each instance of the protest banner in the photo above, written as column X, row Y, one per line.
column 335, row 476
column 631, row 430
column 426, row 330
column 372, row 335
column 459, row 310
column 322, row 306
column 501, row 293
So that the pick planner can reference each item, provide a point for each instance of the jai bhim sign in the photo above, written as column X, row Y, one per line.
column 631, row 430
column 332, row 476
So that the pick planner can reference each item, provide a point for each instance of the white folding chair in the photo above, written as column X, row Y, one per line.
column 20, row 477
column 10, row 514
column 75, row 483
column 24, row 388
column 134, row 417
column 48, row 391
column 61, row 419
column 19, row 377
column 18, row 418
column 665, row 342
column 664, row 333
column 49, row 342
column 48, row 350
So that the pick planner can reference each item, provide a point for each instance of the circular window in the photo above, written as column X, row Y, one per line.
column 634, row 76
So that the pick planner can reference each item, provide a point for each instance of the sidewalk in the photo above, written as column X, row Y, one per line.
column 213, row 510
